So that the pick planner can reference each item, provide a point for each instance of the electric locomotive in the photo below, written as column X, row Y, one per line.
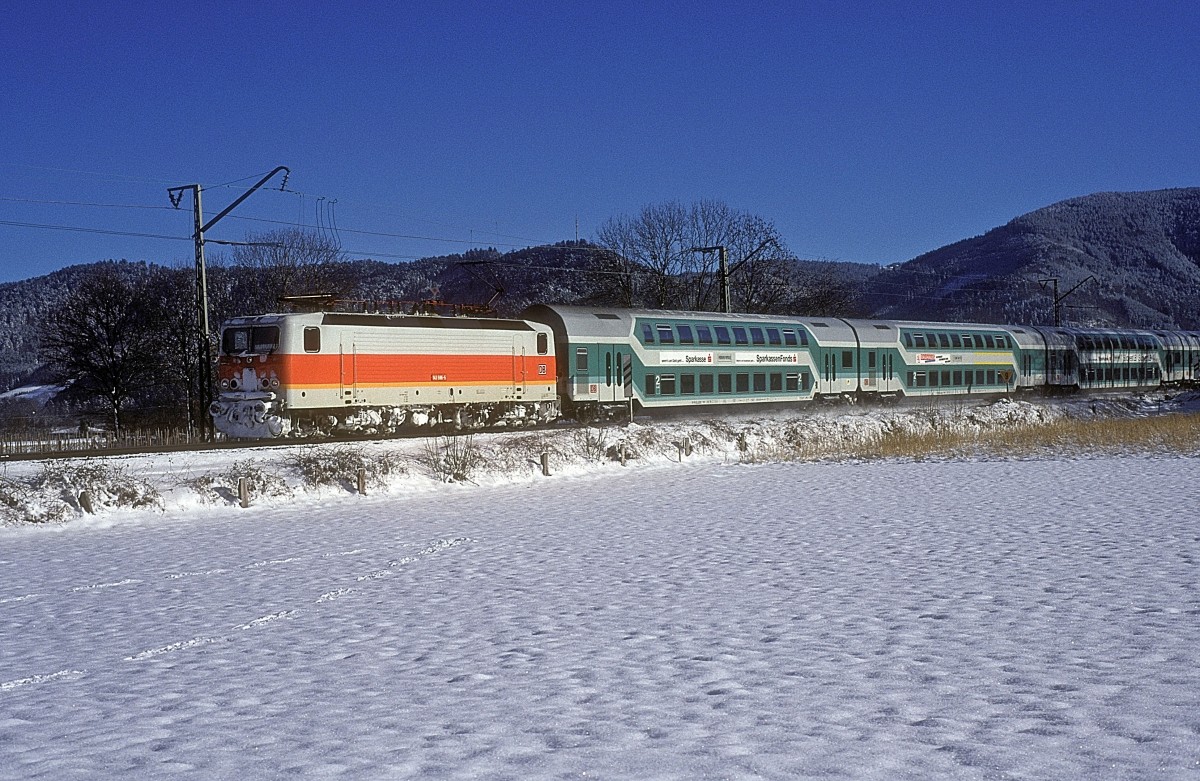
column 329, row 372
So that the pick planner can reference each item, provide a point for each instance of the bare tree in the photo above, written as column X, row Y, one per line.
column 105, row 339
column 664, row 269
column 288, row 262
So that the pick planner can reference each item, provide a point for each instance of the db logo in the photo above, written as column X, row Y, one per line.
column 542, row 368
column 593, row 388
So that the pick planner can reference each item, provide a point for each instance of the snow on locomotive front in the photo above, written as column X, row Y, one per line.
column 327, row 372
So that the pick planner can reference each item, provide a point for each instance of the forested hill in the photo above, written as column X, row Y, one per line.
column 1142, row 249
column 1137, row 256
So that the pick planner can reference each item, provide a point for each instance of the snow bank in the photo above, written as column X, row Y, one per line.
column 50, row 492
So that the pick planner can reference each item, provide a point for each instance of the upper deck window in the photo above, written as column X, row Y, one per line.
column 665, row 334
column 739, row 335
column 722, row 335
column 704, row 334
column 773, row 336
column 756, row 336
column 647, row 333
column 685, row 334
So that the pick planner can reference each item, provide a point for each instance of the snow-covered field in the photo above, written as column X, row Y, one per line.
column 885, row 620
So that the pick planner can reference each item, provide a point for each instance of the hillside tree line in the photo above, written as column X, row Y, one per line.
column 125, row 341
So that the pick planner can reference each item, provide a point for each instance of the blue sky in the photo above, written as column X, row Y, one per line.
column 866, row 131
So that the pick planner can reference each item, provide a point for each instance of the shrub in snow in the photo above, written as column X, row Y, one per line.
column 592, row 443
column 452, row 458
column 108, row 487
column 21, row 504
column 511, row 454
column 339, row 466
column 223, row 486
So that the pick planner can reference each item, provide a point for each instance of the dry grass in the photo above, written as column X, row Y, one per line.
column 1169, row 434
column 1178, row 434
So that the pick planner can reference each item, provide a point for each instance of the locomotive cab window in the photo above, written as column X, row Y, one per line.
column 543, row 344
column 258, row 340
column 312, row 339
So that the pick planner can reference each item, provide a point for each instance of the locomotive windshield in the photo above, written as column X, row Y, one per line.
column 257, row 339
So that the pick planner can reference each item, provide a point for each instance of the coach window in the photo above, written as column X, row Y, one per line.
column 847, row 359
column 979, row 377
column 608, row 369
column 804, row 381
column 943, row 340
column 706, row 383
column 776, row 382
column 665, row 334
column 743, row 383
column 958, row 377
column 666, row 385
column 760, row 382
column 739, row 335
column 933, row 379
column 955, row 340
column 647, row 333
column 581, row 359
column 651, row 384
column 988, row 342
column 723, row 335
column 791, row 383
column 946, row 377
column 312, row 340
column 724, row 383
column 756, row 336
column 968, row 342
column 908, row 340
column 687, row 384
column 919, row 341
column 773, row 337
column 920, row 379
column 991, row 376
column 703, row 334
column 789, row 338
column 685, row 335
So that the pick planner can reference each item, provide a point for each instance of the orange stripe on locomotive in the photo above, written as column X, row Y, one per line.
column 370, row 370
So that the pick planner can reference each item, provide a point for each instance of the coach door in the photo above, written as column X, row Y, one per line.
column 617, row 373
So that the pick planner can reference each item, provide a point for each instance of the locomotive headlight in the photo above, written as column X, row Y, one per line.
column 274, row 382
column 225, row 384
column 233, row 384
